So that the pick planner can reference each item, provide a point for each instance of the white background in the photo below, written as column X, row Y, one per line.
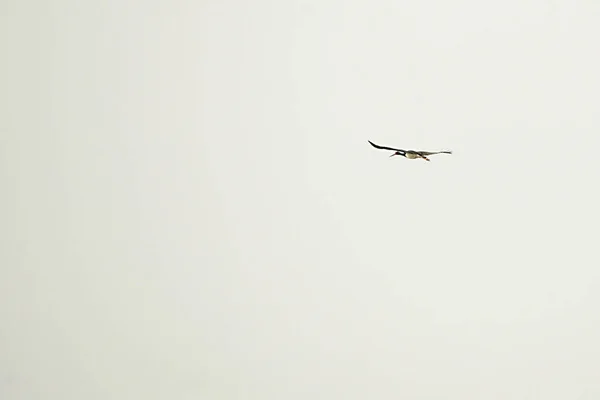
column 191, row 210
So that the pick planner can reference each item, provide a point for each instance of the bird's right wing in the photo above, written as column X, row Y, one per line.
column 429, row 153
column 383, row 147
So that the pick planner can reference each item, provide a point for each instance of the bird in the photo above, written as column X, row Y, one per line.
column 410, row 154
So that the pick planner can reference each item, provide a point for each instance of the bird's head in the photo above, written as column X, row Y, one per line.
column 397, row 153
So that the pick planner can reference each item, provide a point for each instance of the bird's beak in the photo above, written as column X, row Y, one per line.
column 393, row 155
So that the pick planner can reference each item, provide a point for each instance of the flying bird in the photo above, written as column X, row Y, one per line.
column 411, row 154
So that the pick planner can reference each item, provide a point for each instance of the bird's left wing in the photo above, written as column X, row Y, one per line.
column 383, row 147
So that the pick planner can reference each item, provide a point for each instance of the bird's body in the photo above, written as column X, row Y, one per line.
column 410, row 154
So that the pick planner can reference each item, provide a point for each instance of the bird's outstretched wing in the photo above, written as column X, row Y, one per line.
column 383, row 147
column 428, row 153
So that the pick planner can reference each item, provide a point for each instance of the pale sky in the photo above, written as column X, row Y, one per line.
column 191, row 209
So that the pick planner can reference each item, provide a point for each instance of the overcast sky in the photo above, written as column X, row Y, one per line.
column 191, row 209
